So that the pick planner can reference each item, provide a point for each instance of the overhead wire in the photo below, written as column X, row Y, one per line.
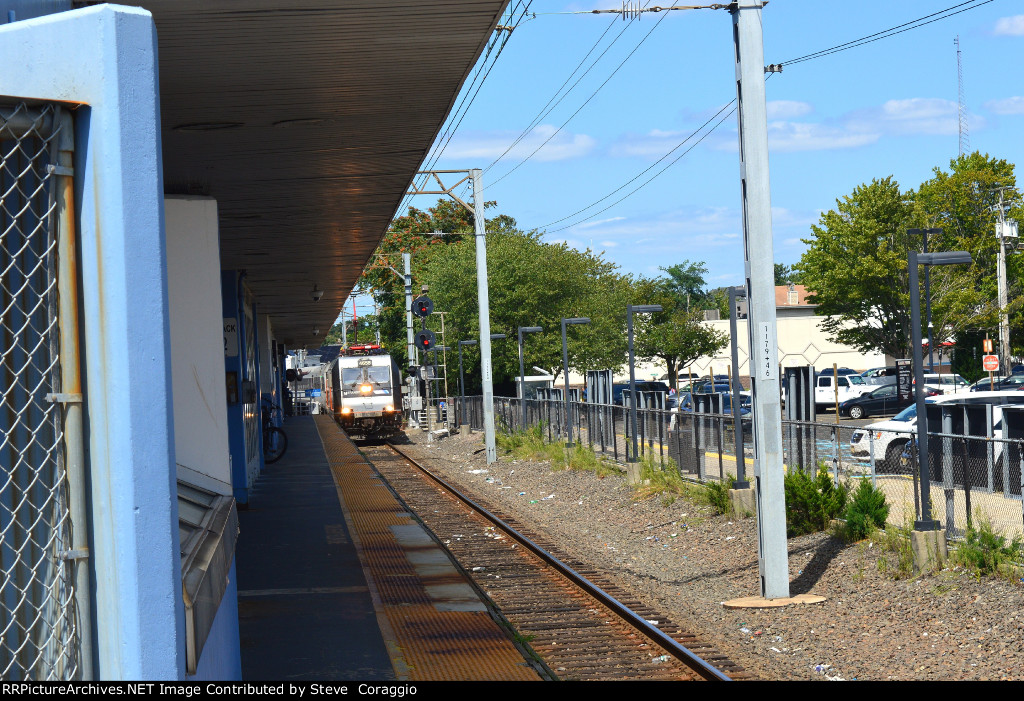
column 906, row 26
column 545, row 110
column 585, row 103
column 891, row 31
column 453, row 122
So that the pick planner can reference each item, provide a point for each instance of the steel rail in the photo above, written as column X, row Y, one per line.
column 672, row 646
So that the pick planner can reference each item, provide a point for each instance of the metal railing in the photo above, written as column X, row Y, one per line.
column 972, row 477
column 44, row 589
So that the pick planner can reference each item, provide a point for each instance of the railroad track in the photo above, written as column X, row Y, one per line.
column 580, row 625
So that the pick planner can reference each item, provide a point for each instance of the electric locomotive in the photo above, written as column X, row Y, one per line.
column 365, row 392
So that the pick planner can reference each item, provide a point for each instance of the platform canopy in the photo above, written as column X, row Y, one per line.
column 306, row 120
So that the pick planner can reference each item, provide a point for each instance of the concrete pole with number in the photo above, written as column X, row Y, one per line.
column 760, row 272
column 485, row 314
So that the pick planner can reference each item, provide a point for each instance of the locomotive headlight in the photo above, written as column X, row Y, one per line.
column 366, row 389
column 389, row 408
column 346, row 410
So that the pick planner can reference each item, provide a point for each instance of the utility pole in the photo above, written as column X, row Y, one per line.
column 773, row 555
column 485, row 313
column 1006, row 235
column 410, row 343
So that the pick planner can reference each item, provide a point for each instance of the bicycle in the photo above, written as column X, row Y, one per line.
column 275, row 440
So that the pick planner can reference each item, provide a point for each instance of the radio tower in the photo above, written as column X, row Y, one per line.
column 965, row 141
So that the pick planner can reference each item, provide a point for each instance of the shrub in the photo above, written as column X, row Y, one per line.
column 812, row 502
column 866, row 512
column 987, row 552
column 716, row 494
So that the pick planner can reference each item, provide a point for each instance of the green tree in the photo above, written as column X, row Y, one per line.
column 674, row 336
column 414, row 233
column 963, row 203
column 531, row 283
column 855, row 267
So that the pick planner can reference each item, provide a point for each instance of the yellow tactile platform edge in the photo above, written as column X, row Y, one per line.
column 425, row 644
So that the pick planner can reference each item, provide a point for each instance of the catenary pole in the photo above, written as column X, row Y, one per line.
column 485, row 315
column 760, row 273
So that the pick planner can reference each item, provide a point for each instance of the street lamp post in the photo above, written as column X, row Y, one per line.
column 462, row 384
column 522, row 369
column 927, row 523
column 927, row 294
column 635, row 309
column 565, row 369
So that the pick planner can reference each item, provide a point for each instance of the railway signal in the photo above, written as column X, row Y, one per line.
column 425, row 340
column 423, row 306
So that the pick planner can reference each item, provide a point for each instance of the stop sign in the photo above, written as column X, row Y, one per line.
column 990, row 362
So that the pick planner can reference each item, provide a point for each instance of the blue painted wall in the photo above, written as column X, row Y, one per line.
column 98, row 57
column 221, row 658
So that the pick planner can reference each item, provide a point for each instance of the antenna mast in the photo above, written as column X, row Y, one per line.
column 965, row 141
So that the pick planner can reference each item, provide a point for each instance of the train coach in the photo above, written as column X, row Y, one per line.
column 364, row 392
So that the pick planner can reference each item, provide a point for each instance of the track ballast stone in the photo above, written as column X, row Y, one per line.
column 683, row 559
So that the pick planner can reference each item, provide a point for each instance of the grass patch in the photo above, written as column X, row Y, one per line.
column 716, row 495
column 532, row 444
column 986, row 552
column 897, row 558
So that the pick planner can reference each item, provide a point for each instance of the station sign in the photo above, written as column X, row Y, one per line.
column 313, row 392
column 904, row 379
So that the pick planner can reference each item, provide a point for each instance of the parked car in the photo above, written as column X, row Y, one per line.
column 888, row 439
column 950, row 383
column 1004, row 382
column 641, row 386
column 878, row 401
column 880, row 376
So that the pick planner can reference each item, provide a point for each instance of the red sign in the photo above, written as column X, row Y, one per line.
column 990, row 362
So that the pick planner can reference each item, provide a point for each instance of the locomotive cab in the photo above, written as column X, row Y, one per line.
column 366, row 392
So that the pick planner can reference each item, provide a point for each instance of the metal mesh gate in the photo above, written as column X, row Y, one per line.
column 39, row 628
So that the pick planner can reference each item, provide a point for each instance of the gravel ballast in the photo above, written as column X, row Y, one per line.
column 685, row 560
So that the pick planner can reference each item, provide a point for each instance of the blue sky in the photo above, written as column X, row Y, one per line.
column 886, row 108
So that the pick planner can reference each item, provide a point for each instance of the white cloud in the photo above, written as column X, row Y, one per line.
column 1010, row 26
column 488, row 145
column 654, row 143
column 787, row 109
column 599, row 222
column 788, row 137
column 1009, row 105
column 609, row 244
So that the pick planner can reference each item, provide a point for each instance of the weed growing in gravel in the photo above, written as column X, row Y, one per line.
column 866, row 512
column 716, row 494
column 986, row 552
column 531, row 444
column 897, row 560
column 664, row 481
column 812, row 502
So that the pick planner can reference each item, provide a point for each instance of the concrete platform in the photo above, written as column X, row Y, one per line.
column 337, row 581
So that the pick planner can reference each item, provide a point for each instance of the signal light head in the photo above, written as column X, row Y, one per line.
column 422, row 306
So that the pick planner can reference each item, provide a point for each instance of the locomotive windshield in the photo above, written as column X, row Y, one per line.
column 378, row 377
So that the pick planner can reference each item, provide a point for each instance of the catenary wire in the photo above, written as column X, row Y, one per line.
column 906, row 26
column 585, row 103
column 891, row 31
column 548, row 107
